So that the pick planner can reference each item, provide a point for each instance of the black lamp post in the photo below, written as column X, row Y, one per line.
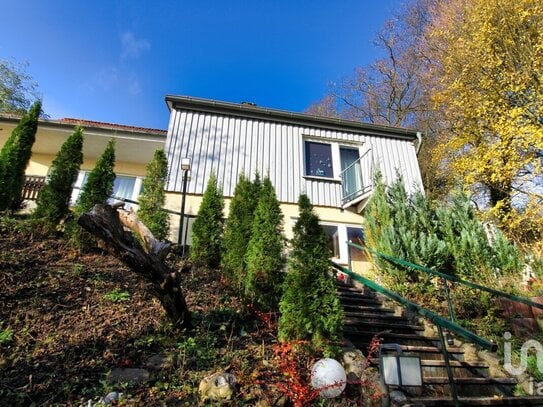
column 185, row 167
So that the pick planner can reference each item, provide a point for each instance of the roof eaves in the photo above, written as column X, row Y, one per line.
column 247, row 110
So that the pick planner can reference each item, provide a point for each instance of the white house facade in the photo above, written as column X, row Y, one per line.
column 331, row 160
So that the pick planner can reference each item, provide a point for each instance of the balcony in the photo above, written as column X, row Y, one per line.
column 357, row 182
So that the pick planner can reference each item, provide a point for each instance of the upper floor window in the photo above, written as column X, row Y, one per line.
column 318, row 160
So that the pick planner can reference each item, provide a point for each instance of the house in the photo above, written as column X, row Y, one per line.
column 134, row 148
column 331, row 160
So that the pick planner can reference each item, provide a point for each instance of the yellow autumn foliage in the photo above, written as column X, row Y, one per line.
column 487, row 78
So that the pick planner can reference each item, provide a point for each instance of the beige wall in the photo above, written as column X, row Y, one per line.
column 40, row 163
column 290, row 211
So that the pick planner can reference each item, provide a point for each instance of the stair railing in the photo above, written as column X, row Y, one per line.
column 448, row 277
column 438, row 320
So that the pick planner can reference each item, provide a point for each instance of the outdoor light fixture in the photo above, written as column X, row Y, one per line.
column 185, row 164
column 185, row 167
column 397, row 369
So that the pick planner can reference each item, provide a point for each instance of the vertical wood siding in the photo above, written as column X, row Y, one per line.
column 229, row 145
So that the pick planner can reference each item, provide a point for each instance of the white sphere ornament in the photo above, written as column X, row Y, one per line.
column 328, row 378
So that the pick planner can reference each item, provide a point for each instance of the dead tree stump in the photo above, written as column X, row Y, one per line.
column 109, row 225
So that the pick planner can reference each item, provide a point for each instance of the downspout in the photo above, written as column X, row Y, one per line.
column 419, row 144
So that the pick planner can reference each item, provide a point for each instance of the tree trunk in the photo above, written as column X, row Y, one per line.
column 106, row 223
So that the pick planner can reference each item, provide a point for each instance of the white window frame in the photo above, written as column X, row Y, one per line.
column 335, row 146
column 342, row 238
column 138, row 183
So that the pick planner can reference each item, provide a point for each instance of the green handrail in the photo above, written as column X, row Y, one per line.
column 436, row 319
column 449, row 277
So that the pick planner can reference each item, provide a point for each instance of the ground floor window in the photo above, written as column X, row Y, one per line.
column 338, row 234
column 124, row 187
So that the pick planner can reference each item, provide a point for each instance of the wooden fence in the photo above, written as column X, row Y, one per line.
column 32, row 187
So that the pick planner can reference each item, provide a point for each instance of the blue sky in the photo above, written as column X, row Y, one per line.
column 115, row 61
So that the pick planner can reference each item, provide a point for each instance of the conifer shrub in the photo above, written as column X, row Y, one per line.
column 310, row 308
column 53, row 202
column 99, row 185
column 264, row 258
column 239, row 228
column 207, row 229
column 14, row 158
column 151, row 211
column 97, row 189
column 445, row 237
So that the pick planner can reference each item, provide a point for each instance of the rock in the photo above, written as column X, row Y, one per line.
column 129, row 375
column 397, row 398
column 524, row 326
column 513, row 309
column 160, row 362
column 537, row 312
column 111, row 397
column 353, row 361
column 218, row 386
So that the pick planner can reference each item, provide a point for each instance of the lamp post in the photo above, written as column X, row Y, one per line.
column 185, row 167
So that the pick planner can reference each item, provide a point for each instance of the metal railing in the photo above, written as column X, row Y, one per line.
column 448, row 277
column 356, row 179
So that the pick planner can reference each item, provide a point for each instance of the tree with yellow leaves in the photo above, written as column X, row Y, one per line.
column 487, row 74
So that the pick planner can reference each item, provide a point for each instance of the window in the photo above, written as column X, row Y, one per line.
column 356, row 235
column 318, row 160
column 332, row 235
column 124, row 186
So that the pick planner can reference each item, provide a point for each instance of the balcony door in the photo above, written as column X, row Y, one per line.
column 351, row 173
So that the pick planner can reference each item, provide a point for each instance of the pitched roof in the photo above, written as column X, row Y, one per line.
column 245, row 109
column 113, row 126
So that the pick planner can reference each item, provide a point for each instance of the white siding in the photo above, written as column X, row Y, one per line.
column 229, row 145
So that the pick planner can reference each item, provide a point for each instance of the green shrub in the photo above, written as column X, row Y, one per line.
column 264, row 258
column 310, row 308
column 239, row 228
column 97, row 190
column 117, row 295
column 208, row 227
column 14, row 158
column 6, row 336
column 99, row 185
column 54, row 199
column 151, row 211
column 447, row 238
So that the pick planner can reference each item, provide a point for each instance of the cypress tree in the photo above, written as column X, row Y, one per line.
column 310, row 308
column 99, row 185
column 151, row 200
column 14, row 158
column 264, row 256
column 54, row 199
column 239, row 228
column 208, row 227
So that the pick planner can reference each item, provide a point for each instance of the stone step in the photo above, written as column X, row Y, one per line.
column 413, row 339
column 381, row 326
column 476, row 401
column 367, row 308
column 358, row 299
column 370, row 316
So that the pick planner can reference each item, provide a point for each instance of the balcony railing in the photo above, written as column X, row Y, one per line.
column 357, row 179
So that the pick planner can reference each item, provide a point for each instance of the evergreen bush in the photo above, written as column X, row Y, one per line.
column 264, row 258
column 151, row 211
column 310, row 308
column 53, row 202
column 448, row 238
column 239, row 228
column 14, row 158
column 99, row 185
column 208, row 227
column 97, row 190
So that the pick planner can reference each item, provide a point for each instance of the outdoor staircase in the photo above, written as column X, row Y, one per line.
column 365, row 317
